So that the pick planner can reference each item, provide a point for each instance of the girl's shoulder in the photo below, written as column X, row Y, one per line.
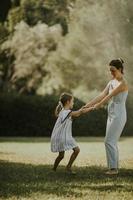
column 64, row 113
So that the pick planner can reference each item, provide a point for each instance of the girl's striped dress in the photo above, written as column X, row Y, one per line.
column 61, row 138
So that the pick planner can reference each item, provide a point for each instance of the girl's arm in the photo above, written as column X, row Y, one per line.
column 97, row 99
column 121, row 88
column 86, row 110
column 80, row 112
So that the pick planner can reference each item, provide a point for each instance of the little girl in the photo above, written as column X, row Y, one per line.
column 61, row 139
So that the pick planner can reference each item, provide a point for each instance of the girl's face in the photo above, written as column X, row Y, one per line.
column 71, row 103
column 115, row 72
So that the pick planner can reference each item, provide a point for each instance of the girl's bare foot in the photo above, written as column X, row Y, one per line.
column 53, row 169
column 69, row 171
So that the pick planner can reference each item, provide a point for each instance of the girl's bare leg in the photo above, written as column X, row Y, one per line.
column 75, row 153
column 58, row 159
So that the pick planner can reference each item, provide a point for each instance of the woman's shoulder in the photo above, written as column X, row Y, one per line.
column 110, row 81
column 125, row 84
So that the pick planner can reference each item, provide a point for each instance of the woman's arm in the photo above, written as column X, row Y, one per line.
column 99, row 97
column 121, row 88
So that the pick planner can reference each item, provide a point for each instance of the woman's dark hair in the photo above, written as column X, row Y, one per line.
column 64, row 97
column 118, row 63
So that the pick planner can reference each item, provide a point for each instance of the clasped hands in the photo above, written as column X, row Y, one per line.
column 87, row 108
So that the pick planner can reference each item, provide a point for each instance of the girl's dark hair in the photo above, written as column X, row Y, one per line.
column 64, row 97
column 118, row 63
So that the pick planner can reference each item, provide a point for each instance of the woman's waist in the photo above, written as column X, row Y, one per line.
column 117, row 103
column 116, row 109
column 117, row 106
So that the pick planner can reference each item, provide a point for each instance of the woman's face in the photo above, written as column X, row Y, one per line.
column 115, row 72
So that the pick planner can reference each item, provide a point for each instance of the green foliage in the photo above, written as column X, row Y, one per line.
column 14, row 17
column 32, row 12
column 129, row 124
column 3, row 33
column 16, row 3
column 6, row 71
column 26, row 115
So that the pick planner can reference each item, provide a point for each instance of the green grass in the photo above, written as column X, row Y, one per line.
column 25, row 171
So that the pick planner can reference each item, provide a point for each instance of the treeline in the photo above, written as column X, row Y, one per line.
column 27, row 116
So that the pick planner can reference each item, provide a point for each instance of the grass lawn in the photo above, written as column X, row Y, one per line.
column 25, row 171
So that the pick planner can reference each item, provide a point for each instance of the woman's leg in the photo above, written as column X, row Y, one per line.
column 58, row 159
column 113, row 133
column 112, row 154
column 75, row 153
column 112, row 157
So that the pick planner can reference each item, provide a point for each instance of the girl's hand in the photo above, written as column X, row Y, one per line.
column 83, row 107
column 81, row 110
column 85, row 110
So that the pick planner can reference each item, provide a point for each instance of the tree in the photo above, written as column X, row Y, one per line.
column 31, row 47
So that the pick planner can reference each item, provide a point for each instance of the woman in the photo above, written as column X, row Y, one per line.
column 115, row 93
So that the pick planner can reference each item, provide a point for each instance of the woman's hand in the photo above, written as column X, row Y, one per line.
column 97, row 106
column 87, row 105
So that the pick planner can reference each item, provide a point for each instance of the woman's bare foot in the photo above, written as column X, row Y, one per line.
column 112, row 172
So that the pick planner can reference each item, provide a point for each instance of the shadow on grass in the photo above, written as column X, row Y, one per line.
column 25, row 139
column 47, row 139
column 21, row 180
